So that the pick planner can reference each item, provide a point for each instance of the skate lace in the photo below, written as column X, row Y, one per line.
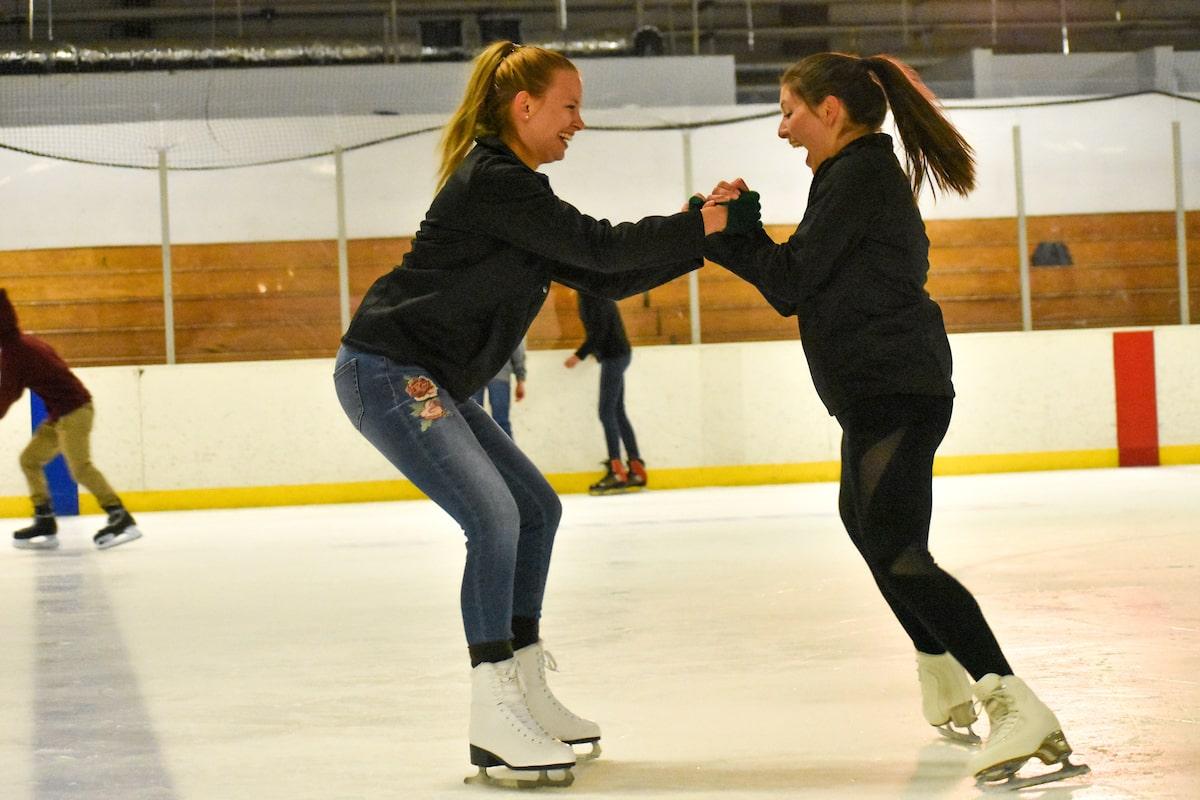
column 512, row 697
column 547, row 662
column 999, row 705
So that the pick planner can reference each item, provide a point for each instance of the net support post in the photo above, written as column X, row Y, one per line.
column 1185, row 311
column 695, row 27
column 168, row 293
column 694, row 275
column 1022, row 231
column 339, row 175
column 394, row 38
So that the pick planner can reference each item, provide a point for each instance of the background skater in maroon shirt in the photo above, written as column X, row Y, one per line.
column 26, row 362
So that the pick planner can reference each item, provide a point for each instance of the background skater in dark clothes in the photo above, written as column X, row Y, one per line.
column 604, row 337
column 854, row 274
column 27, row 362
column 500, row 391
column 433, row 331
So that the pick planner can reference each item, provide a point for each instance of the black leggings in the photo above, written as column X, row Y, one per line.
column 886, row 500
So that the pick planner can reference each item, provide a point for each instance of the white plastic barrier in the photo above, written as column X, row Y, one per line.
column 706, row 413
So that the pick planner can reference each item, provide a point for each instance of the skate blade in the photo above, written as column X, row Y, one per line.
column 513, row 778
column 40, row 543
column 1014, row 783
column 966, row 738
column 113, row 539
column 591, row 754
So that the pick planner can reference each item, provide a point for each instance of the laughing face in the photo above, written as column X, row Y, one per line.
column 544, row 125
column 806, row 127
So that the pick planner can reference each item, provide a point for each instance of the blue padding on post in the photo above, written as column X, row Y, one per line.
column 64, row 492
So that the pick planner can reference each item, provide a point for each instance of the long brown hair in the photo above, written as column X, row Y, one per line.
column 866, row 87
column 500, row 71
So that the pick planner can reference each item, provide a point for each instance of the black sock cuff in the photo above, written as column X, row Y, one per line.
column 525, row 631
column 490, row 652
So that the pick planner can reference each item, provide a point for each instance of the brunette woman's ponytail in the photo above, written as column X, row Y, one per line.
column 866, row 87
column 931, row 143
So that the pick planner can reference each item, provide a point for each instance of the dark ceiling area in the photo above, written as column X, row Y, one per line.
column 763, row 35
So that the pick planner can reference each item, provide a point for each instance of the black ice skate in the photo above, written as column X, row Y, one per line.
column 41, row 535
column 615, row 481
column 119, row 529
column 637, row 474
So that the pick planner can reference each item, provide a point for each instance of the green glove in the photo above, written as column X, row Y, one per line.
column 695, row 203
column 745, row 214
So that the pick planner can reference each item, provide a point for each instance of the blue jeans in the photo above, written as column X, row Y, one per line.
column 457, row 455
column 617, row 427
column 499, row 392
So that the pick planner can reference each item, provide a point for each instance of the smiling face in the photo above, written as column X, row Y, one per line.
column 543, row 126
column 811, row 128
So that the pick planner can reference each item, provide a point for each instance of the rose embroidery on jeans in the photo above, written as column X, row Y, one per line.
column 428, row 407
column 421, row 388
column 433, row 410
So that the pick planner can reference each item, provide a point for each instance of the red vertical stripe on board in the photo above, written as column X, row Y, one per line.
column 1137, row 401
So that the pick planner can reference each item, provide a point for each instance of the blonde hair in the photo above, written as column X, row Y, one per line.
column 501, row 71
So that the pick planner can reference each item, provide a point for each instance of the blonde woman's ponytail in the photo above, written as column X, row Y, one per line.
column 460, row 131
column 501, row 71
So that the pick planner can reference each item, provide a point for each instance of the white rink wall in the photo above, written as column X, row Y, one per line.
column 1177, row 363
column 1096, row 157
column 207, row 426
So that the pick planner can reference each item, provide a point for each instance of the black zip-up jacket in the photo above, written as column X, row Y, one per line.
column 604, row 332
column 481, row 265
column 854, row 275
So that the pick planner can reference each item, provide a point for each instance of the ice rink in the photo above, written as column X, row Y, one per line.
column 729, row 642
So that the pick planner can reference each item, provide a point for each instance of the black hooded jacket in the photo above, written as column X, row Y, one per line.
column 604, row 331
column 854, row 275
column 481, row 265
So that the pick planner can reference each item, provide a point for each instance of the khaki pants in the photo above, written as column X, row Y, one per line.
column 70, row 435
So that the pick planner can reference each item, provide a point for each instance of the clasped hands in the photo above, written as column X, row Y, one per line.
column 732, row 200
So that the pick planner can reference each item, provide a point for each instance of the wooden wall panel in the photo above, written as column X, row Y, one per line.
column 238, row 301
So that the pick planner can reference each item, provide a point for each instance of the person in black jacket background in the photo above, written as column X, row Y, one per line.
column 854, row 275
column 604, row 337
column 433, row 331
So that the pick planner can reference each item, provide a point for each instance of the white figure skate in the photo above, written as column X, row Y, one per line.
column 946, row 697
column 504, row 734
column 1022, row 727
column 559, row 722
